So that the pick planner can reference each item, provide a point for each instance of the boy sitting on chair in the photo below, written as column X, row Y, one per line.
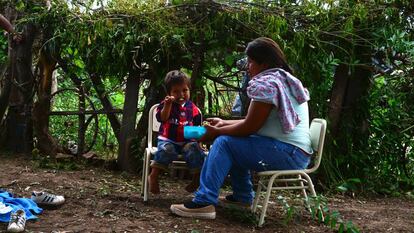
column 174, row 112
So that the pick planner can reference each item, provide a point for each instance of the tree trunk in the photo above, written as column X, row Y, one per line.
column 106, row 103
column 339, row 88
column 198, row 93
column 5, row 88
column 153, row 95
column 126, row 162
column 349, row 112
column 81, row 121
column 45, row 142
column 19, row 117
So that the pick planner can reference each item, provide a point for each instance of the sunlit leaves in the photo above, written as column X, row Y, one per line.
column 317, row 36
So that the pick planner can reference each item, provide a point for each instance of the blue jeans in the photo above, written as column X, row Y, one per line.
column 237, row 156
column 168, row 152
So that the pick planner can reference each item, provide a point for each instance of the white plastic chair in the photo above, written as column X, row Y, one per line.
column 292, row 179
column 150, row 150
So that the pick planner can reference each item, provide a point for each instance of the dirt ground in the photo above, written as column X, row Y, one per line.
column 100, row 200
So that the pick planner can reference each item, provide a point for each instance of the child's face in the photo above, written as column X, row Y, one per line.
column 181, row 93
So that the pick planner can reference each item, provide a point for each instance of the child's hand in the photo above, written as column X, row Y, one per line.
column 169, row 99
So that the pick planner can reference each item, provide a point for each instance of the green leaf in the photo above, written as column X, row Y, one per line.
column 320, row 216
column 79, row 63
column 20, row 6
column 342, row 188
column 327, row 219
column 341, row 228
column 229, row 60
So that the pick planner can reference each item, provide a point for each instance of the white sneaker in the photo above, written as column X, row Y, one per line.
column 17, row 221
column 4, row 209
column 44, row 198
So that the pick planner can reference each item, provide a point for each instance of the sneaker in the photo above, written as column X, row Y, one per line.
column 17, row 221
column 4, row 209
column 194, row 210
column 44, row 198
column 229, row 200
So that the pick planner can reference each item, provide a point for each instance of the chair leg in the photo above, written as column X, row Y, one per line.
column 146, row 172
column 266, row 200
column 144, row 165
column 257, row 197
column 303, row 189
column 305, row 195
column 313, row 193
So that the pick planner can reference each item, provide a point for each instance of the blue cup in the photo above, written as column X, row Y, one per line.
column 194, row 132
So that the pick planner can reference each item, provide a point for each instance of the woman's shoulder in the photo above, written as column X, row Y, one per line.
column 274, row 73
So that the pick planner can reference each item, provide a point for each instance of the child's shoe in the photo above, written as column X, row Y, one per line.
column 44, row 198
column 17, row 221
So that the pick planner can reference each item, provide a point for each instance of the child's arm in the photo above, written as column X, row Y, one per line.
column 166, row 110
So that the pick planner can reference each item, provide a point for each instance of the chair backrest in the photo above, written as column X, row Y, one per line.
column 317, row 135
column 154, row 124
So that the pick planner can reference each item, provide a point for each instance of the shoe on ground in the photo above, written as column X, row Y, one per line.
column 194, row 210
column 17, row 221
column 4, row 209
column 229, row 200
column 44, row 198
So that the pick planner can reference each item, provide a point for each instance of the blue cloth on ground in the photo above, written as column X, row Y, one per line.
column 26, row 204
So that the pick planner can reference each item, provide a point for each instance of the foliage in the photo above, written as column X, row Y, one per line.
column 241, row 214
column 147, row 39
column 45, row 162
column 3, row 50
column 320, row 212
column 64, row 128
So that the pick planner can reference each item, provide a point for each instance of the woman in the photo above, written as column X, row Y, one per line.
column 273, row 136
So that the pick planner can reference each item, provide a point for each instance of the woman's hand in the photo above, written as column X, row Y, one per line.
column 215, row 121
column 211, row 133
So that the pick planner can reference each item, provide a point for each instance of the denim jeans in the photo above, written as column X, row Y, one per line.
column 168, row 152
column 237, row 156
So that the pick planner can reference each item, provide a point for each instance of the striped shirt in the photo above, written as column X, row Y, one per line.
column 181, row 115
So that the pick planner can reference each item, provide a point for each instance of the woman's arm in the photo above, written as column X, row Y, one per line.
column 5, row 24
column 218, row 122
column 255, row 119
column 231, row 122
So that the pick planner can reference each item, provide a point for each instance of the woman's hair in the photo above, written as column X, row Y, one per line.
column 264, row 50
column 175, row 77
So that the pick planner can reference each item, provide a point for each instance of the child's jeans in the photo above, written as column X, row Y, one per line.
column 168, row 152
column 239, row 155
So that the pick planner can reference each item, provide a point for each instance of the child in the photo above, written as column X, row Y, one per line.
column 174, row 112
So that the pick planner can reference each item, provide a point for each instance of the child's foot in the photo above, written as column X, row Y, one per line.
column 154, row 186
column 192, row 187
